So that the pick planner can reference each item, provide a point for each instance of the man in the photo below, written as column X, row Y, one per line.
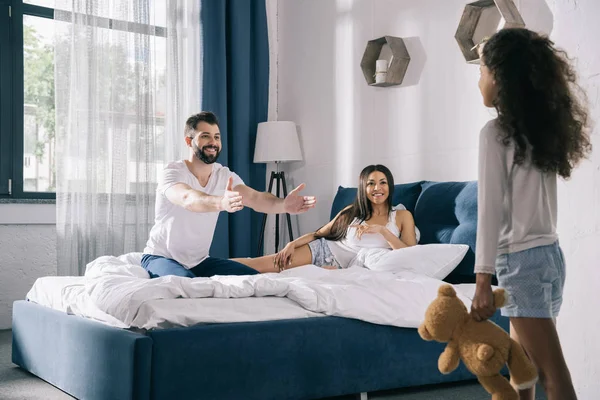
column 190, row 195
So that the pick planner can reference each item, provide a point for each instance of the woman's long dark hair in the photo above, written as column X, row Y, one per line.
column 362, row 208
column 539, row 102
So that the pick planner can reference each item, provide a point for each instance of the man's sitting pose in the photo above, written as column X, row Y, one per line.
column 190, row 195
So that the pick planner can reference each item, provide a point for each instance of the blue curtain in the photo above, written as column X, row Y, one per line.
column 236, row 88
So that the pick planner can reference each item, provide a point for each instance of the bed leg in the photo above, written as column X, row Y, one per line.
column 362, row 396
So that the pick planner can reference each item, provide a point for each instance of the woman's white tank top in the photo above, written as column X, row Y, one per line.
column 345, row 250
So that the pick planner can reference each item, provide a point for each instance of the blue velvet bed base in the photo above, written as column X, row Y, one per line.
column 84, row 358
column 290, row 359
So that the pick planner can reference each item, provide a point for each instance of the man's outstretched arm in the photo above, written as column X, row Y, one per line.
column 265, row 202
column 184, row 196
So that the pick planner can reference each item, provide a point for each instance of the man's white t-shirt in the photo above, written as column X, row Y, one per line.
column 182, row 235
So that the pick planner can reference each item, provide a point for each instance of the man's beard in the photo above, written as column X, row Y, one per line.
column 202, row 156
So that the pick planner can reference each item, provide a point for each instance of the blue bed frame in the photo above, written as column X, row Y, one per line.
column 289, row 359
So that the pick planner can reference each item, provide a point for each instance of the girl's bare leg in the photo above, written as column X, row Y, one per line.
column 539, row 338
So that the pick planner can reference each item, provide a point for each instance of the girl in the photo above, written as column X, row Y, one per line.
column 369, row 222
column 541, row 131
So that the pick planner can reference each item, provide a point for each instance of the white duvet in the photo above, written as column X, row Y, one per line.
column 116, row 289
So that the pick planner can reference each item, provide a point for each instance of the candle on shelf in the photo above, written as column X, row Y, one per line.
column 381, row 67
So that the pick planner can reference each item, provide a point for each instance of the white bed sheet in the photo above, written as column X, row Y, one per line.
column 117, row 291
column 67, row 294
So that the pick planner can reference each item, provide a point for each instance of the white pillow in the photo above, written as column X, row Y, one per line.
column 434, row 260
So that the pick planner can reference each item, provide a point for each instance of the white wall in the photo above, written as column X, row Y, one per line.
column 430, row 130
column 27, row 252
column 427, row 130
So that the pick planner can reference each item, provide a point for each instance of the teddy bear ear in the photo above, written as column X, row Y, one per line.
column 447, row 290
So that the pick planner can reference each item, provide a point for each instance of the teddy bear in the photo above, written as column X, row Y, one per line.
column 483, row 346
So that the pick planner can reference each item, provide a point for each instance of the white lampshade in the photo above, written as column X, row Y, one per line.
column 277, row 141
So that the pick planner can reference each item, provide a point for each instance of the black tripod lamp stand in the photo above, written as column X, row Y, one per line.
column 276, row 142
column 279, row 179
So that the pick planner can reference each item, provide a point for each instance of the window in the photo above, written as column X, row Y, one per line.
column 27, row 103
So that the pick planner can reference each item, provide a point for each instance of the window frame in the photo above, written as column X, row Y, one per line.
column 5, row 98
column 12, row 76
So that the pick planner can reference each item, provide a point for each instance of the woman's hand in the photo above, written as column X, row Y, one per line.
column 363, row 228
column 483, row 306
column 284, row 257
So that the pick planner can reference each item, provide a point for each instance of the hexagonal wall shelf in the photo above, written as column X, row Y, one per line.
column 482, row 18
column 396, row 69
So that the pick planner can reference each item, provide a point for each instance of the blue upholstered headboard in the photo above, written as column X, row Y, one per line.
column 444, row 212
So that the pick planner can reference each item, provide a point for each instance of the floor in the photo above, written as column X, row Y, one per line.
column 16, row 384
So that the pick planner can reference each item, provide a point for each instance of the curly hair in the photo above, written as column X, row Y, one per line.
column 539, row 103
column 361, row 208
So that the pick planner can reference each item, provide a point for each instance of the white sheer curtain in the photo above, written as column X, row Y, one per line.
column 128, row 73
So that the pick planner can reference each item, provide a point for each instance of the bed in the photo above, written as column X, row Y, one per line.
column 302, row 358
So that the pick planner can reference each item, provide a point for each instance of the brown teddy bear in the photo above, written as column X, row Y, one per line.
column 484, row 347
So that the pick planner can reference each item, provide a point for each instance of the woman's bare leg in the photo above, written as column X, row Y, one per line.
column 302, row 256
column 539, row 338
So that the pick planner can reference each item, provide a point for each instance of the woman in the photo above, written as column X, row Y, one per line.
column 370, row 222
column 541, row 132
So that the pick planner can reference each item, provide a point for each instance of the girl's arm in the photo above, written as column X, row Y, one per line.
column 492, row 184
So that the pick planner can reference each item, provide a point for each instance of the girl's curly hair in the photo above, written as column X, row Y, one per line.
column 539, row 103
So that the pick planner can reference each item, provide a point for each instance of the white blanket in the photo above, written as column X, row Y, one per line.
column 120, row 286
column 67, row 294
